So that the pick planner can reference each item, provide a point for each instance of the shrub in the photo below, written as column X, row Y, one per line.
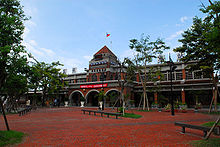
column 82, row 99
column 120, row 109
column 168, row 107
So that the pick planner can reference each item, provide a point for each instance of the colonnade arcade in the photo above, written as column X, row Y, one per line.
column 91, row 97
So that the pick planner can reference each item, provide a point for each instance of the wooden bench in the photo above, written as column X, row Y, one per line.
column 202, row 128
column 101, row 112
column 112, row 113
column 24, row 111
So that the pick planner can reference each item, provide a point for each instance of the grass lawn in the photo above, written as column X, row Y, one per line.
column 10, row 137
column 209, row 124
column 132, row 115
column 213, row 113
column 211, row 142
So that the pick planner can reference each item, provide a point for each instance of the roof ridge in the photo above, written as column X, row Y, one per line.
column 104, row 49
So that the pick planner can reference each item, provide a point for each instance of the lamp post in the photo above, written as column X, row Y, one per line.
column 172, row 68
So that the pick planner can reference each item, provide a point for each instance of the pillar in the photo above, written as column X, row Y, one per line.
column 155, row 98
column 137, row 77
column 184, row 74
column 183, row 96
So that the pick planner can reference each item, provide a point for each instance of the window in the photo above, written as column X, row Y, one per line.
column 164, row 78
column 147, row 78
column 111, row 77
column 189, row 75
column 173, row 78
column 94, row 78
column 197, row 75
column 179, row 76
column 206, row 75
column 102, row 77
column 116, row 77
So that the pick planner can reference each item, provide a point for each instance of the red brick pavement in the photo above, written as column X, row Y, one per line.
column 69, row 127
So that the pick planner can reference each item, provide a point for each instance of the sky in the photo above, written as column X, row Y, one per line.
column 72, row 31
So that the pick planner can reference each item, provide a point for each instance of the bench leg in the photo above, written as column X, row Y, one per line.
column 94, row 113
column 89, row 112
column 205, row 133
column 108, row 115
column 83, row 112
column 183, row 130
column 102, row 114
column 116, row 116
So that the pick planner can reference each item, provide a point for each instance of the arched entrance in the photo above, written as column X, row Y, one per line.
column 75, row 98
column 112, row 98
column 92, row 98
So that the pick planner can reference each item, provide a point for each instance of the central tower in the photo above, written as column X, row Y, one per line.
column 101, row 67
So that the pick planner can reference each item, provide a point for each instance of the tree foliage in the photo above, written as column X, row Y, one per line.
column 11, row 30
column 201, row 41
column 46, row 77
column 145, row 52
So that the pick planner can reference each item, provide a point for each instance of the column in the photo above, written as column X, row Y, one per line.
column 137, row 77
column 184, row 74
column 183, row 96
column 155, row 98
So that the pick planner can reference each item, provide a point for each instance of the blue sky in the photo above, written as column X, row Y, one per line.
column 71, row 31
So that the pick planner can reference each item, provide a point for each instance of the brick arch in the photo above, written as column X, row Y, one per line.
column 112, row 90
column 74, row 92
column 89, row 92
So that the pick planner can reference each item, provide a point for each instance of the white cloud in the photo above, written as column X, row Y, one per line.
column 33, row 42
column 87, row 57
column 30, row 10
column 171, row 37
column 47, row 51
column 127, row 53
column 184, row 18
column 179, row 25
column 69, row 63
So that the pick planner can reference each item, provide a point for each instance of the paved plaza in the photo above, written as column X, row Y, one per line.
column 69, row 127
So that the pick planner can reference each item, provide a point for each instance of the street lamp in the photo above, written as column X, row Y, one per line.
column 172, row 68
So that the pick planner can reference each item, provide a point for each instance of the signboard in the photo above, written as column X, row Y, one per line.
column 94, row 86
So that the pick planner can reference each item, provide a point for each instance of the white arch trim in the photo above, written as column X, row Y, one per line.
column 112, row 90
column 74, row 92
column 91, row 91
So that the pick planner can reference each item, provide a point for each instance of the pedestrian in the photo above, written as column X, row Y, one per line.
column 55, row 102
column 28, row 103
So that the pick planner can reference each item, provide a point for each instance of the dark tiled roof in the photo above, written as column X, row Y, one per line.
column 105, row 49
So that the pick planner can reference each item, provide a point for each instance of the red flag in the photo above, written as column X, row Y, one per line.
column 107, row 34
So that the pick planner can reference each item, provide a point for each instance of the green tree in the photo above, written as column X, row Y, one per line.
column 16, row 82
column 48, row 78
column 126, row 74
column 201, row 42
column 146, row 51
column 34, row 78
column 11, row 30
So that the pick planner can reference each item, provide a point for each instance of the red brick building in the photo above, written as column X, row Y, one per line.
column 188, row 87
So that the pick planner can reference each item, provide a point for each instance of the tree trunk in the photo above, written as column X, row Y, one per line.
column 122, row 98
column 3, row 112
column 147, row 103
column 123, row 104
column 140, row 102
column 215, row 96
column 144, row 98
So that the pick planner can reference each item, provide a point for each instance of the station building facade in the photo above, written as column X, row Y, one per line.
column 102, row 75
